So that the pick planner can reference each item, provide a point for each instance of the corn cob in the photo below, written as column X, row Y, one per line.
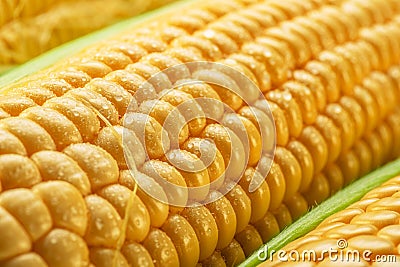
column 29, row 28
column 330, row 113
column 371, row 225
column 21, row 9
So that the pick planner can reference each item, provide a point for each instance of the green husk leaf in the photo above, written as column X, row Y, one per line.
column 6, row 68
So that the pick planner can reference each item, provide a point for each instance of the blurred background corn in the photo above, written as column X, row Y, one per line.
column 29, row 28
column 328, row 69
column 370, row 225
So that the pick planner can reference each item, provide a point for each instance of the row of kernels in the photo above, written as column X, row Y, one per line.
column 356, row 162
column 250, row 238
column 339, row 119
column 342, row 71
column 31, row 136
column 157, row 50
column 149, row 42
column 305, row 206
column 225, row 226
column 49, row 205
column 62, row 170
column 333, row 144
column 209, row 222
column 104, row 223
column 306, row 105
column 308, row 30
column 71, row 112
column 189, row 87
column 129, row 50
column 333, row 97
column 226, row 28
column 241, row 26
column 385, row 45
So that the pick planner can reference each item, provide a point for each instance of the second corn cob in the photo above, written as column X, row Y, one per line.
column 30, row 28
column 364, row 234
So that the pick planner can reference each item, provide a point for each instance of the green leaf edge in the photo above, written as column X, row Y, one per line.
column 342, row 199
column 70, row 48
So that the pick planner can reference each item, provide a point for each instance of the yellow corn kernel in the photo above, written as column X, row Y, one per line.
column 290, row 108
column 260, row 198
column 216, row 165
column 100, row 167
column 184, row 239
column 62, row 130
column 188, row 108
column 169, row 118
column 98, row 102
column 214, row 260
column 241, row 204
column 93, row 68
column 38, row 95
column 157, row 209
column 30, row 259
column 234, row 162
column 80, row 115
column 114, row 93
column 305, row 161
column 103, row 225
column 162, row 170
column 55, row 165
column 18, row 171
column 106, row 257
column 65, row 204
column 161, row 248
column 281, row 124
column 107, row 140
column 15, row 233
column 205, row 227
column 62, row 242
column 35, row 226
column 225, row 218
column 193, row 170
column 132, row 83
column 136, row 255
column 316, row 145
column 233, row 254
column 318, row 191
column 297, row 206
column 139, row 218
column 249, row 239
column 291, row 170
column 10, row 144
column 74, row 78
column 282, row 216
column 335, row 178
column 14, row 105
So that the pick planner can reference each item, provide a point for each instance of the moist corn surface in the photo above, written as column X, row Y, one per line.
column 364, row 234
column 329, row 70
